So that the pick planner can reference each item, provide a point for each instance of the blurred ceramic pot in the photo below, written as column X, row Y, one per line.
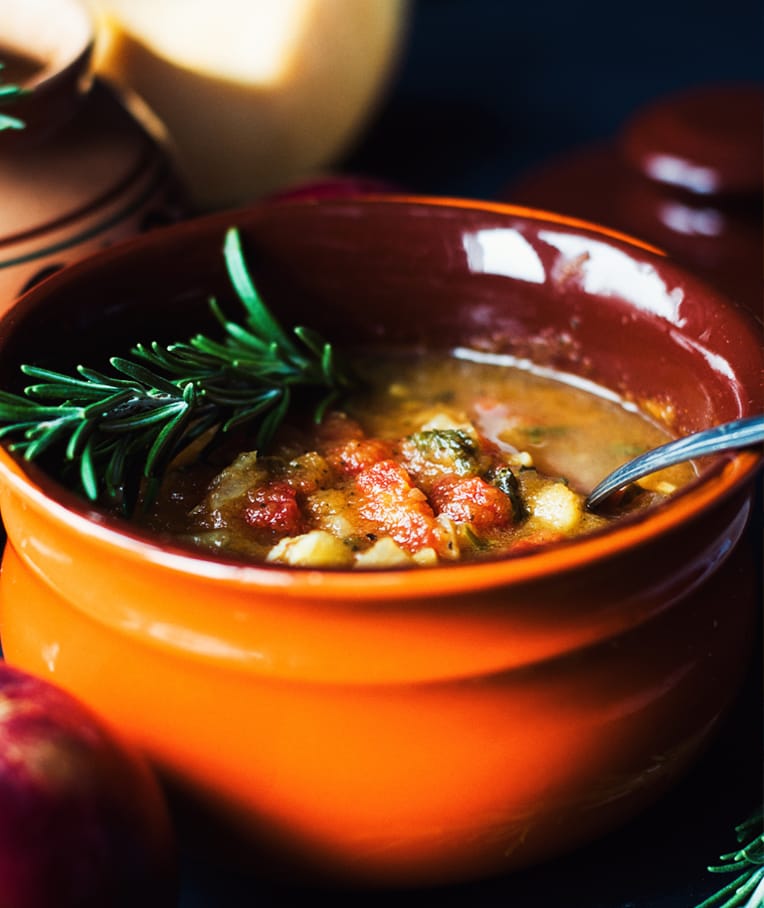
column 83, row 172
column 254, row 94
column 684, row 173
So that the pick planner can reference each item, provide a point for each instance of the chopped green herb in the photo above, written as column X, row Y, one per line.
column 535, row 435
column 627, row 451
column 505, row 480
column 472, row 538
column 450, row 446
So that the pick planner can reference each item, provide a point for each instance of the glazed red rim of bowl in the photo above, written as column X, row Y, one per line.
column 726, row 475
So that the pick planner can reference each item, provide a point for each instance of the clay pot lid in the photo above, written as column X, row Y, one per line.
column 717, row 233
column 707, row 141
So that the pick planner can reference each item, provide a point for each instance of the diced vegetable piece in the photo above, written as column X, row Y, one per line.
column 273, row 507
column 450, row 538
column 384, row 553
column 233, row 482
column 470, row 499
column 558, row 506
column 506, row 481
column 425, row 557
column 309, row 472
column 328, row 509
column 392, row 501
column 357, row 454
column 657, row 482
column 452, row 449
column 314, row 549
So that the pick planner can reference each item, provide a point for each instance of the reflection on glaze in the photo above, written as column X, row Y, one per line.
column 676, row 172
column 190, row 641
column 692, row 221
column 503, row 251
column 32, row 547
column 606, row 271
column 715, row 360
column 50, row 653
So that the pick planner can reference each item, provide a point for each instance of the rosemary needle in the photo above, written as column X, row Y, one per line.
column 8, row 93
column 122, row 430
column 746, row 889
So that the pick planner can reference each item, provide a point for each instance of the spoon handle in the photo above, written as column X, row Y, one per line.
column 740, row 433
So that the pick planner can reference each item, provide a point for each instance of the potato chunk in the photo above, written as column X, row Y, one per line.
column 314, row 549
column 384, row 553
column 558, row 506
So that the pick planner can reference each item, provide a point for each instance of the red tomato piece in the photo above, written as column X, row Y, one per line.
column 274, row 507
column 392, row 501
column 470, row 499
column 357, row 454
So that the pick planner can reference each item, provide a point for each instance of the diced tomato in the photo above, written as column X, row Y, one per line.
column 274, row 507
column 357, row 454
column 392, row 501
column 470, row 499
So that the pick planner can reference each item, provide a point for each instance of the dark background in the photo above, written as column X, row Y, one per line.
column 486, row 90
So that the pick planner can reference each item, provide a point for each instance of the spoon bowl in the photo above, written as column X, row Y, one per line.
column 730, row 436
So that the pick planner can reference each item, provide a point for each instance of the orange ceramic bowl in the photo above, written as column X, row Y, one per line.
column 404, row 726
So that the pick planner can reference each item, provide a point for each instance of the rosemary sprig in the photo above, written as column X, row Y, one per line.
column 123, row 430
column 746, row 890
column 8, row 93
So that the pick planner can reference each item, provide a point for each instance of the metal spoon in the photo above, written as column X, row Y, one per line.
column 741, row 433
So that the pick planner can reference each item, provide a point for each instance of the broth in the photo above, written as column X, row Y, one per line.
column 440, row 459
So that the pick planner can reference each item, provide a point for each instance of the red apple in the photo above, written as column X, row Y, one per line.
column 83, row 821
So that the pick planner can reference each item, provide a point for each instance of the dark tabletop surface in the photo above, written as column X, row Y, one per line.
column 485, row 91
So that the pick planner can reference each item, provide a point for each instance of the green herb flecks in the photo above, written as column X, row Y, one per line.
column 746, row 890
column 536, row 435
column 448, row 446
column 506, row 481
column 121, row 431
column 9, row 93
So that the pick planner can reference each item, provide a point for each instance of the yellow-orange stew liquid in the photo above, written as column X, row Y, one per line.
column 440, row 458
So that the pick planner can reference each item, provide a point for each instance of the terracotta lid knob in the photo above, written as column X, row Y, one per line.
column 707, row 141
